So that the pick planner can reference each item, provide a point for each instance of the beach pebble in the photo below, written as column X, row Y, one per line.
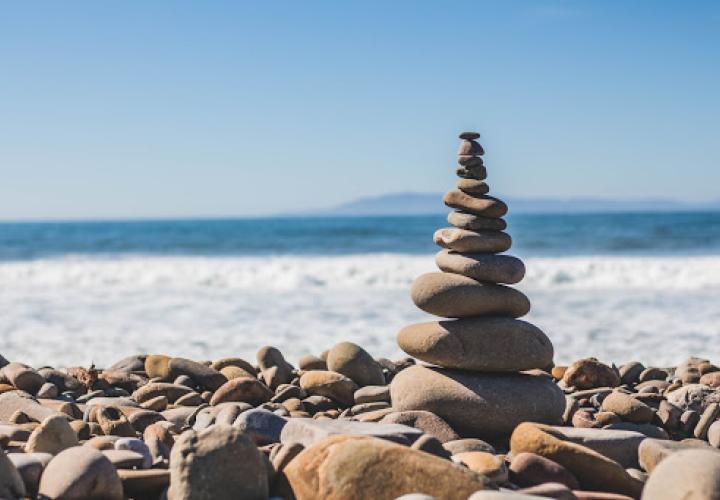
column 204, row 376
column 470, row 161
column 372, row 394
column 156, row 389
column 709, row 416
column 262, row 426
column 30, row 466
column 137, row 446
column 426, row 421
column 653, row 451
column 468, row 444
column 694, row 397
column 630, row 372
column 218, row 463
column 592, row 470
column 52, row 436
column 274, row 370
column 469, row 136
column 617, row 444
column 688, row 371
column 590, row 373
column 355, row 363
column 125, row 459
column 23, row 377
column 310, row 362
column 11, row 482
column 481, row 266
column 113, row 422
column 81, row 472
column 711, row 379
column 455, row 296
column 243, row 389
column 333, row 385
column 462, row 240
column 483, row 405
column 473, row 187
column 156, row 366
column 484, row 205
column 308, row 431
column 713, row 434
column 350, row 467
column 530, row 469
column 627, row 408
column 685, row 474
column 491, row 466
column 470, row 147
column 473, row 222
column 489, row 344
column 147, row 483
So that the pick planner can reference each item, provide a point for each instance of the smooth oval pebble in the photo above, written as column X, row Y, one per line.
column 473, row 187
column 482, row 267
column 482, row 405
column 462, row 240
column 81, row 472
column 689, row 474
column 473, row 222
column 455, row 296
column 486, row 206
column 488, row 344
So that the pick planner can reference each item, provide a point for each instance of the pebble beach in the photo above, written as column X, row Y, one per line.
column 474, row 402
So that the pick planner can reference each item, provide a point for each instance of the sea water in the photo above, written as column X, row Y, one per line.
column 614, row 286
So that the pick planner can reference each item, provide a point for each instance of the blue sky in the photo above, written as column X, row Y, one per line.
column 171, row 108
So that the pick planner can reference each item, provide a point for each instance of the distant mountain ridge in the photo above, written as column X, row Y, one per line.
column 431, row 203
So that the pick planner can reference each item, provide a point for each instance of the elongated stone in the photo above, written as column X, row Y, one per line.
column 462, row 240
column 473, row 222
column 454, row 296
column 482, row 267
column 490, row 344
column 473, row 187
column 477, row 172
column 486, row 206
column 470, row 148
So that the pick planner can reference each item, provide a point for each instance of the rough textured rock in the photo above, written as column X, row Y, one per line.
column 593, row 470
column 332, row 385
column 482, row 405
column 81, row 472
column 689, row 474
column 590, row 373
column 243, row 389
column 357, row 468
column 355, row 363
column 491, row 344
column 454, row 296
column 217, row 463
column 462, row 240
column 482, row 266
column 52, row 436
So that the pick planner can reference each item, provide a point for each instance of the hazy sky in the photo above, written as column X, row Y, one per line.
column 170, row 108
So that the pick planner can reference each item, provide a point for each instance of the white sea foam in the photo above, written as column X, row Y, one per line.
column 71, row 311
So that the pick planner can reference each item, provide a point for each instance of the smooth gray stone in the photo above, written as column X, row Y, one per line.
column 263, row 427
column 685, row 474
column 619, row 445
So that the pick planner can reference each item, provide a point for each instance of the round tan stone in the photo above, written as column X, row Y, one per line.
column 81, row 472
column 360, row 468
column 156, row 366
column 482, row 405
column 355, row 363
column 333, row 385
column 244, row 389
column 489, row 344
column 462, row 240
column 687, row 474
column 486, row 206
column 454, row 296
column 470, row 147
column 590, row 373
column 482, row 267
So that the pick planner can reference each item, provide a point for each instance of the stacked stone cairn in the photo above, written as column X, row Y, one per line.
column 480, row 381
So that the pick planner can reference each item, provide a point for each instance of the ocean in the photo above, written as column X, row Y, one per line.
column 614, row 286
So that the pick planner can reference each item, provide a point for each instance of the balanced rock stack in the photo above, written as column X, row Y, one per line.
column 476, row 382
